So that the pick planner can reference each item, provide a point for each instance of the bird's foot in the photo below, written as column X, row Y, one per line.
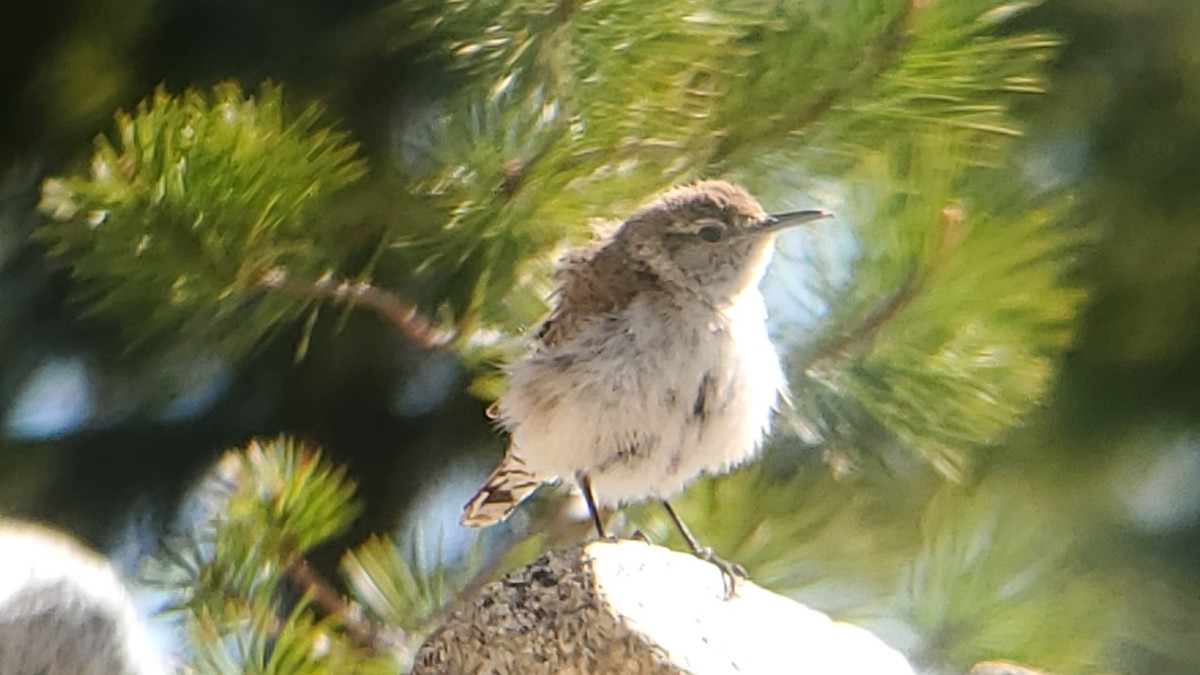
column 731, row 572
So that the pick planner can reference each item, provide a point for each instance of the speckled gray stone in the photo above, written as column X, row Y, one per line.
column 63, row 610
column 629, row 607
column 545, row 618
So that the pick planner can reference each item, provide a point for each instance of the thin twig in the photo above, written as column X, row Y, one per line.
column 862, row 334
column 401, row 313
column 364, row 632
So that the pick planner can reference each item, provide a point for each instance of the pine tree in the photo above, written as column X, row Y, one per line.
column 921, row 327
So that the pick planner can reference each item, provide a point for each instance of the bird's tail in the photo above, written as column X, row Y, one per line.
column 509, row 485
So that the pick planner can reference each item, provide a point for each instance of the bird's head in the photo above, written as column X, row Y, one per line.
column 711, row 238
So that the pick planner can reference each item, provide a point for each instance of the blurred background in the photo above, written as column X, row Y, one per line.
column 105, row 441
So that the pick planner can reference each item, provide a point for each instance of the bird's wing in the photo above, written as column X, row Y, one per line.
column 594, row 281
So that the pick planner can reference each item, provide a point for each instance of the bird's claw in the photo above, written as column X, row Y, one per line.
column 731, row 572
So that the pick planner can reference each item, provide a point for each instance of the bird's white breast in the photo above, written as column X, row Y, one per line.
column 645, row 400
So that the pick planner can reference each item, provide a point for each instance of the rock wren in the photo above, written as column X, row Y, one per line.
column 655, row 365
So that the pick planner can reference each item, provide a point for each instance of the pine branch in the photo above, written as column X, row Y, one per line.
column 257, row 514
column 333, row 603
column 879, row 55
column 190, row 203
column 850, row 342
column 523, row 157
column 956, row 312
column 987, row 584
column 565, row 118
column 404, row 316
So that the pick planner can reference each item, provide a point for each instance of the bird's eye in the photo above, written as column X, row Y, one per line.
column 711, row 233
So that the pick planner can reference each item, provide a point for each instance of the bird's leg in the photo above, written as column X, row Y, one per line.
column 585, row 484
column 730, row 572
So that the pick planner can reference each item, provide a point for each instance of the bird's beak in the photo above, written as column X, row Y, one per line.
column 782, row 221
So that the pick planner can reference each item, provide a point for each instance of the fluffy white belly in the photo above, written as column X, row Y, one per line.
column 643, row 405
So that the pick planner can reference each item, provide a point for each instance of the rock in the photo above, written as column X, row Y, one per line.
column 63, row 610
column 629, row 607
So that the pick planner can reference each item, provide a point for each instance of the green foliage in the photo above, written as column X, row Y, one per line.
column 954, row 68
column 260, row 509
column 395, row 588
column 574, row 111
column 259, row 512
column 286, row 489
column 234, row 573
column 190, row 203
column 998, row 576
column 568, row 112
column 716, row 79
column 263, row 642
column 958, row 310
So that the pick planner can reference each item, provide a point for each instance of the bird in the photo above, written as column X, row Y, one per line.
column 654, row 365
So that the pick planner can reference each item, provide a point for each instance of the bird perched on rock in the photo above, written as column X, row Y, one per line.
column 654, row 366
